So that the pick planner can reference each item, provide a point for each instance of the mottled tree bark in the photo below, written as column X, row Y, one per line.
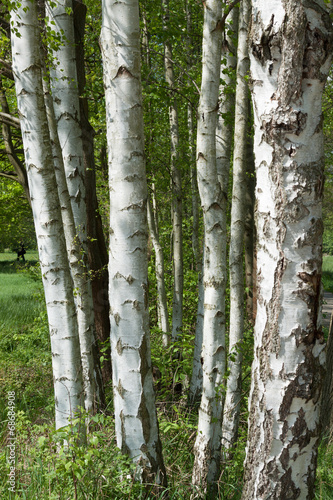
column 290, row 51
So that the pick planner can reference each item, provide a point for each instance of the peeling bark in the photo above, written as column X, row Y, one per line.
column 290, row 53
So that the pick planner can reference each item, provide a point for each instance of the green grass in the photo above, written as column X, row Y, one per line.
column 327, row 277
column 99, row 470
column 25, row 360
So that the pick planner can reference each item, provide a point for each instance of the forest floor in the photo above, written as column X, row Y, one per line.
column 98, row 470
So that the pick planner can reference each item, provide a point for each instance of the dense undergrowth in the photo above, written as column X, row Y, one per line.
column 44, row 469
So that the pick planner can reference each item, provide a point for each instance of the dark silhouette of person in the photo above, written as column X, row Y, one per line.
column 21, row 251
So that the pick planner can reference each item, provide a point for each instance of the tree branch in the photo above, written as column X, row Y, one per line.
column 6, row 69
column 10, row 120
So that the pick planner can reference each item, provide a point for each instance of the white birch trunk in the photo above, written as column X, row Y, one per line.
column 236, row 329
column 190, row 127
column 195, row 389
column 225, row 121
column 162, row 304
column 69, row 158
column 290, row 52
column 176, row 189
column 66, row 361
column 134, row 399
column 207, row 448
column 67, row 109
column 85, row 317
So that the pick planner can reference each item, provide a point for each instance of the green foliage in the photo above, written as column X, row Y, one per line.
column 57, row 471
column 16, row 223
column 324, row 483
column 327, row 276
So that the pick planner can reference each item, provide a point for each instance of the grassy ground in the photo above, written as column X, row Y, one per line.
column 328, row 273
column 97, row 470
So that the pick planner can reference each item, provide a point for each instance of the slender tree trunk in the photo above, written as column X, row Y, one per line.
column 161, row 292
column 195, row 389
column 97, row 250
column 152, row 213
column 236, row 332
column 249, row 231
column 93, row 386
column 207, row 450
column 176, row 188
column 67, row 116
column 326, row 410
column 190, row 126
column 290, row 52
column 66, row 360
column 226, row 114
column 19, row 168
column 134, row 400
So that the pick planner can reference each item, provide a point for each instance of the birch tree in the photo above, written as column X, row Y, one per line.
column 236, row 328
column 58, row 288
column 68, row 134
column 290, row 52
column 207, row 448
column 134, row 400
column 176, row 187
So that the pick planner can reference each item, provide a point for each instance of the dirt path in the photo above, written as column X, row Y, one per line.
column 327, row 308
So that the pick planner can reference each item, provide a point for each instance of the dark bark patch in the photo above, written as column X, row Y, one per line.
column 119, row 347
column 124, row 72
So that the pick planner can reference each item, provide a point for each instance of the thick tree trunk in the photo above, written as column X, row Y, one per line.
column 176, row 189
column 290, row 55
column 134, row 400
column 236, row 331
column 207, row 450
column 66, row 359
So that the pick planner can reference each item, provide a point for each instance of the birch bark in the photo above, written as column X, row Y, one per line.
column 176, row 188
column 134, row 399
column 68, row 133
column 226, row 114
column 162, row 305
column 66, row 360
column 207, row 448
column 67, row 109
column 290, row 52
column 236, row 331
